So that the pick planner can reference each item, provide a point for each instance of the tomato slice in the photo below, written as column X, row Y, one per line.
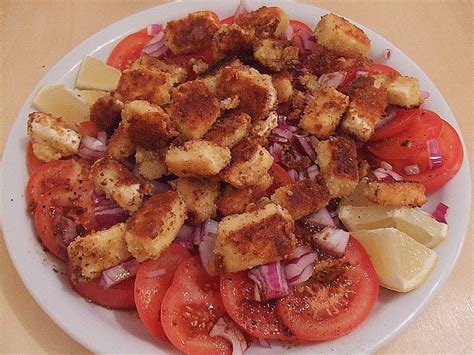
column 280, row 176
column 259, row 319
column 32, row 162
column 381, row 69
column 300, row 26
column 153, row 279
column 228, row 20
column 88, row 128
column 330, row 307
column 427, row 125
column 191, row 307
column 119, row 296
column 403, row 120
column 129, row 49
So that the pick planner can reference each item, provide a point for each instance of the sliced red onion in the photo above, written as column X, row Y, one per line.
column 293, row 174
column 270, row 279
column 332, row 79
column 304, row 146
column 385, row 165
column 155, row 273
column 106, row 211
column 332, row 240
column 102, row 137
column 300, row 269
column 313, row 171
column 389, row 116
column 384, row 55
column 434, row 152
column 91, row 148
column 300, row 251
column 119, row 273
column 285, row 133
column 302, row 175
column 308, row 42
column 424, row 95
column 298, row 40
column 65, row 228
column 384, row 174
column 274, row 151
column 440, row 213
column 206, row 245
column 228, row 330
column 264, row 343
column 289, row 33
column 282, row 120
column 241, row 9
column 412, row 169
column 160, row 51
column 322, row 218
column 277, row 139
column 153, row 29
column 185, row 236
column 155, row 44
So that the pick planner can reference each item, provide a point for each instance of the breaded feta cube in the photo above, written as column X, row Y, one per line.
column 263, row 128
column 154, row 227
column 148, row 125
column 151, row 163
column 90, row 255
column 191, row 33
column 282, row 84
column 404, row 91
column 231, row 40
column 367, row 105
column 250, row 162
column 265, row 22
column 337, row 161
column 145, row 61
column 229, row 129
column 255, row 91
column 324, row 111
column 254, row 238
column 396, row 194
column 144, row 84
column 106, row 113
column 52, row 139
column 200, row 197
column 197, row 158
column 234, row 201
column 341, row 36
column 275, row 54
column 120, row 145
column 118, row 183
column 302, row 198
column 193, row 109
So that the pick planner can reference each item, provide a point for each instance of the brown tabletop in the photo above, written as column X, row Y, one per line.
column 437, row 35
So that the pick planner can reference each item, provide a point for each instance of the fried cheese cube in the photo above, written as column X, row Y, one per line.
column 231, row 40
column 96, row 252
column 367, row 105
column 151, row 163
column 341, row 36
column 263, row 128
column 265, row 22
column 337, row 161
column 255, row 91
column 144, row 84
column 275, row 54
column 193, row 109
column 145, row 61
column 200, row 197
column 154, row 227
column 148, row 125
column 250, row 163
column 234, row 201
column 106, row 113
column 118, row 183
column 396, row 194
column 302, row 198
column 197, row 158
column 254, row 238
column 229, row 129
column 191, row 33
column 322, row 114
column 404, row 91
column 52, row 139
column 120, row 145
column 282, row 84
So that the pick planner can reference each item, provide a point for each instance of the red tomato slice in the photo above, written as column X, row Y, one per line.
column 88, row 128
column 191, row 307
column 321, row 309
column 32, row 162
column 49, row 175
column 300, row 26
column 259, row 319
column 380, row 69
column 228, row 20
column 119, row 296
column 404, row 119
column 280, row 176
column 151, row 286
column 451, row 153
column 405, row 144
column 129, row 49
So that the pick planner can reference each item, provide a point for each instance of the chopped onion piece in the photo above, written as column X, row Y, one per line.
column 332, row 240
column 289, row 33
column 300, row 269
column 300, row 251
column 264, row 343
column 304, row 146
column 440, row 213
column 313, row 171
column 241, row 9
column 412, row 169
column 385, row 174
column 206, row 245
column 154, row 29
column 270, row 279
column 322, row 218
column 293, row 174
column 285, row 133
column 434, row 152
column 119, row 273
column 65, row 228
column 228, row 330
column 106, row 211
column 102, row 137
column 185, row 236
column 385, row 165
column 389, row 116
column 332, row 79
column 424, row 95
column 91, row 148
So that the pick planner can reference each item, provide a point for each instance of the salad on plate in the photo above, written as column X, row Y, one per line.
column 240, row 181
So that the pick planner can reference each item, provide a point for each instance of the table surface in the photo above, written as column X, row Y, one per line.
column 437, row 35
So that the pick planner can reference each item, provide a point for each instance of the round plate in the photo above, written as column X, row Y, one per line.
column 102, row 330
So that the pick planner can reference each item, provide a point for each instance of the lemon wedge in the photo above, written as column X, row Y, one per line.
column 91, row 96
column 401, row 263
column 61, row 101
column 365, row 217
column 96, row 75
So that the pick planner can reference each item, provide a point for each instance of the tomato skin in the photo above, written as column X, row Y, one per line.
column 150, row 290
column 32, row 162
column 258, row 319
column 129, row 49
column 279, row 175
column 300, row 308
column 191, row 307
column 381, row 69
column 300, row 26
column 88, row 128
column 404, row 119
column 228, row 20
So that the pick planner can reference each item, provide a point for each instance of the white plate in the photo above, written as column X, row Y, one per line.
column 102, row 330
